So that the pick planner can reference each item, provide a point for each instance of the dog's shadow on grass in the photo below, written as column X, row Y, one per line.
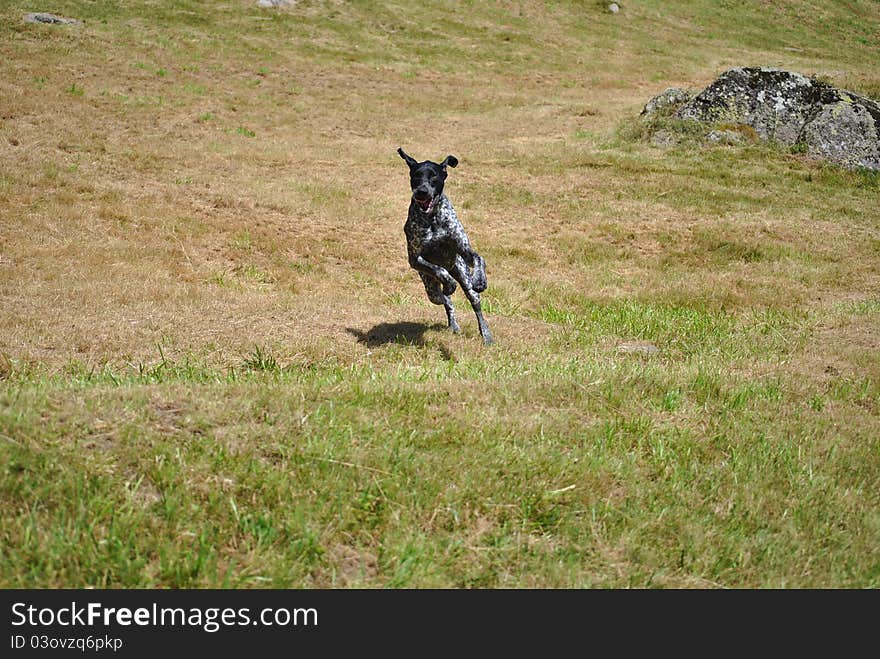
column 403, row 333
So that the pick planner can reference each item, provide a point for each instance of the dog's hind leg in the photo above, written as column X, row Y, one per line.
column 434, row 289
column 460, row 274
column 450, row 315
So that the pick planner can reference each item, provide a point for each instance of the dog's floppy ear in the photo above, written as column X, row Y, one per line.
column 409, row 159
column 452, row 161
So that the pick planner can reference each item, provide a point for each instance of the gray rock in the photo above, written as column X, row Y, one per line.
column 614, row 7
column 663, row 138
column 790, row 108
column 670, row 98
column 839, row 133
column 724, row 137
column 775, row 103
column 638, row 349
column 51, row 19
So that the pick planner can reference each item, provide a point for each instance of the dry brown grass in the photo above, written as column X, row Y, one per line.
column 138, row 223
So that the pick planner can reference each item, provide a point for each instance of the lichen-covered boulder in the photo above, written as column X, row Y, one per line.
column 775, row 103
column 845, row 132
column 790, row 108
column 669, row 98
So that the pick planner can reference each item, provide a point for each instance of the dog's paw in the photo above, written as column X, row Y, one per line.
column 478, row 282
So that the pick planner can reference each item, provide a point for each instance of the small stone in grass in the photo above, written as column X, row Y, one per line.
column 50, row 19
column 638, row 348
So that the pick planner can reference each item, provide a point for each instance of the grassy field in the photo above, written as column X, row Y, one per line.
column 218, row 370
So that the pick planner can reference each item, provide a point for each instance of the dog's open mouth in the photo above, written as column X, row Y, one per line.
column 427, row 205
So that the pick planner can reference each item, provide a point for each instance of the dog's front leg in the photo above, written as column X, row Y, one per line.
column 476, row 263
column 478, row 278
column 419, row 263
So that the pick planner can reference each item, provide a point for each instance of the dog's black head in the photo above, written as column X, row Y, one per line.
column 427, row 179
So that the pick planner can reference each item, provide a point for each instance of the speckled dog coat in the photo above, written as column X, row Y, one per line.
column 437, row 246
